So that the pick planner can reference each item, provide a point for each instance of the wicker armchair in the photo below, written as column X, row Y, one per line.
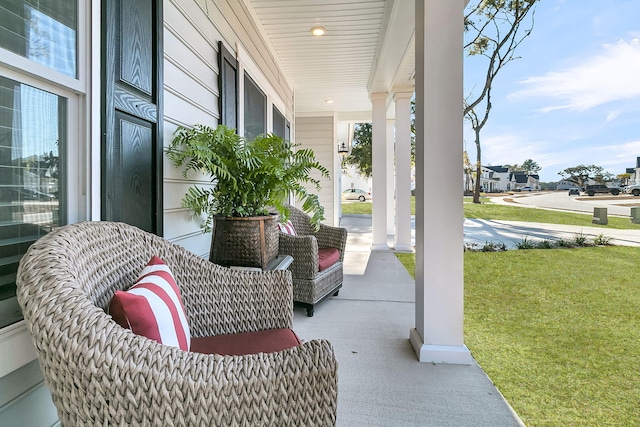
column 102, row 374
column 311, row 286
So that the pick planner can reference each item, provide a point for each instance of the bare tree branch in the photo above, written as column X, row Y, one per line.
column 510, row 39
column 494, row 30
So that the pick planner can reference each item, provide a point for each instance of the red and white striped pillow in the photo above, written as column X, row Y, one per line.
column 287, row 228
column 153, row 308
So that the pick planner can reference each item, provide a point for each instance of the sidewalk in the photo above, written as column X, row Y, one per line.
column 481, row 231
column 380, row 381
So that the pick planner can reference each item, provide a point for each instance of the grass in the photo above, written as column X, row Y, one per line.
column 365, row 208
column 513, row 213
column 557, row 331
column 357, row 208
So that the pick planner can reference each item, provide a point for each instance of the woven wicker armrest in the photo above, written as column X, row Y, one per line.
column 304, row 250
column 298, row 385
column 220, row 300
column 332, row 237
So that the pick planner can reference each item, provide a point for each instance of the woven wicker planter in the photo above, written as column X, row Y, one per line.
column 245, row 242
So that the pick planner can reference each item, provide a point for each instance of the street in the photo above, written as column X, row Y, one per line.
column 616, row 205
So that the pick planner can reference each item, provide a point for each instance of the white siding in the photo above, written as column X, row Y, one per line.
column 318, row 133
column 192, row 30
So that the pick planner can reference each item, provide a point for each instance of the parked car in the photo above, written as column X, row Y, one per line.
column 601, row 188
column 356, row 194
column 526, row 188
column 633, row 189
column 574, row 192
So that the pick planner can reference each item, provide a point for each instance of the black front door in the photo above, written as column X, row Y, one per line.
column 132, row 113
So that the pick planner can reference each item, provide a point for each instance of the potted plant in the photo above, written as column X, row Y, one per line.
column 252, row 181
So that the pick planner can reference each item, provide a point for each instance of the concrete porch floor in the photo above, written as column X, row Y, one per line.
column 380, row 381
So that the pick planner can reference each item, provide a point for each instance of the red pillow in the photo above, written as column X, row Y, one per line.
column 287, row 228
column 153, row 308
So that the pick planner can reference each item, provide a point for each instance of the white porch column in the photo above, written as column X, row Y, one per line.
column 390, row 156
column 438, row 334
column 379, row 171
column 403, row 171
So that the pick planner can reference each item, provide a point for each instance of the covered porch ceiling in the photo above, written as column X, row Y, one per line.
column 368, row 48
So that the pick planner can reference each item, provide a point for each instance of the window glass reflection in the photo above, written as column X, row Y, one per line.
column 32, row 137
column 44, row 31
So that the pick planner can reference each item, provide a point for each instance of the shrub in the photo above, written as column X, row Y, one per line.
column 602, row 240
column 486, row 247
column 580, row 240
column 546, row 244
column 525, row 243
column 564, row 243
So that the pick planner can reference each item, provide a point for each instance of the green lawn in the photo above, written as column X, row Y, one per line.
column 358, row 208
column 512, row 213
column 557, row 331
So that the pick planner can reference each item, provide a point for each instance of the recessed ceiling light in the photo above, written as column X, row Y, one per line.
column 318, row 31
column 329, row 101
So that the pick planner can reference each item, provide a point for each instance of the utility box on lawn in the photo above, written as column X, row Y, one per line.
column 600, row 216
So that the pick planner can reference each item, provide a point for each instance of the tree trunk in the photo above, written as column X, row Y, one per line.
column 476, row 192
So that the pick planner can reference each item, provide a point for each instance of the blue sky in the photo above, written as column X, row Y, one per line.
column 573, row 97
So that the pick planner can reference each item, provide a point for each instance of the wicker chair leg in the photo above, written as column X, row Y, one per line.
column 310, row 311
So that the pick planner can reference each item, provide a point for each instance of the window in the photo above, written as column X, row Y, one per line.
column 228, row 83
column 36, row 107
column 281, row 126
column 44, row 31
column 32, row 143
column 255, row 109
column 253, row 99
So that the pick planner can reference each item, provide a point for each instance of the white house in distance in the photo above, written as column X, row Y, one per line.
column 634, row 172
column 496, row 179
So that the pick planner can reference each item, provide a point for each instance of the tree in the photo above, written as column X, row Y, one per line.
column 624, row 177
column 580, row 174
column 530, row 167
column 468, row 171
column 362, row 143
column 361, row 152
column 494, row 29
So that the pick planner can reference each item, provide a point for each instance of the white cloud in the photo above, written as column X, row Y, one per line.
column 614, row 158
column 613, row 115
column 610, row 76
column 509, row 148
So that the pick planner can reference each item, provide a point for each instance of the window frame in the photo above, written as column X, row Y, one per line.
column 16, row 349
